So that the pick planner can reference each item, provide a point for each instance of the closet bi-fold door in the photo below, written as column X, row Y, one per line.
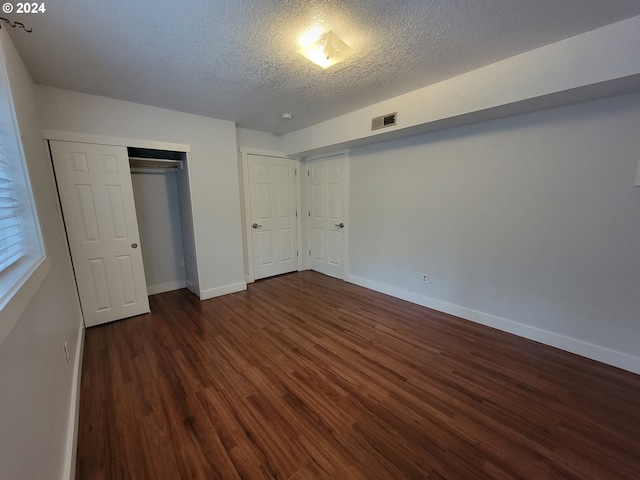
column 94, row 183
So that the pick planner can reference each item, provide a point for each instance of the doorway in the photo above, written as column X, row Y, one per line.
column 162, row 202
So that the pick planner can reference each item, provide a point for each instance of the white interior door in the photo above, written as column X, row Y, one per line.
column 327, row 197
column 273, row 200
column 94, row 183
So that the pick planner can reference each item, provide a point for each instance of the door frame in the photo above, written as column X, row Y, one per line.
column 345, row 205
column 247, row 231
column 114, row 141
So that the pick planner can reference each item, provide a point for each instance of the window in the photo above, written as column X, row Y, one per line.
column 23, row 264
column 11, row 241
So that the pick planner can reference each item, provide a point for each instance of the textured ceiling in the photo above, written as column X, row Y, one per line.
column 237, row 59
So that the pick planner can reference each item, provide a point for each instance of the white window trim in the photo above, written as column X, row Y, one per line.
column 20, row 281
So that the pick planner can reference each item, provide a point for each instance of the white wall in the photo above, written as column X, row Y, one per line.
column 213, row 169
column 158, row 212
column 260, row 140
column 36, row 384
column 595, row 64
column 532, row 219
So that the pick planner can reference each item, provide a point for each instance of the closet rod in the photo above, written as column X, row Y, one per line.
column 138, row 162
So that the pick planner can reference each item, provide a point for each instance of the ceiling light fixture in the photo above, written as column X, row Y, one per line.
column 287, row 116
column 327, row 50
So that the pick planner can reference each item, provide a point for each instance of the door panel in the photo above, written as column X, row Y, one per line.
column 317, row 205
column 284, row 196
column 334, row 202
column 285, row 244
column 127, row 279
column 263, row 200
column 327, row 178
column 88, row 214
column 317, row 247
column 333, row 248
column 94, row 183
column 118, row 217
column 272, row 198
column 99, row 282
column 265, row 245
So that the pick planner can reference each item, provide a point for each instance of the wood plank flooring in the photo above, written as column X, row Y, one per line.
column 306, row 377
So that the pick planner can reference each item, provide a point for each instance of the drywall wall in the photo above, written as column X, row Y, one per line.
column 530, row 224
column 213, row 170
column 259, row 140
column 588, row 66
column 160, row 226
column 37, row 403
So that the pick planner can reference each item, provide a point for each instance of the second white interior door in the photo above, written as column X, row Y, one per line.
column 273, row 200
column 327, row 197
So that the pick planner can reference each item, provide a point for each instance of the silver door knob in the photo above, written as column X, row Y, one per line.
column 134, row 245
column 255, row 225
column 340, row 225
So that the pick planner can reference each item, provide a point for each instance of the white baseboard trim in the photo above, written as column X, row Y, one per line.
column 247, row 279
column 74, row 409
column 218, row 291
column 579, row 347
column 165, row 287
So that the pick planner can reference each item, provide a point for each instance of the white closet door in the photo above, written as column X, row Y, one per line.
column 94, row 183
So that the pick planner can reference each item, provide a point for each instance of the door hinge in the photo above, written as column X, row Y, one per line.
column 296, row 214
column 296, row 171
column 308, row 173
column 309, row 213
column 309, row 252
column 297, row 254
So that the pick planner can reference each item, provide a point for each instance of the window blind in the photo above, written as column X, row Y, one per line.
column 11, row 244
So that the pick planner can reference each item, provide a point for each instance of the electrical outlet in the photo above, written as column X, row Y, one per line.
column 66, row 352
column 424, row 278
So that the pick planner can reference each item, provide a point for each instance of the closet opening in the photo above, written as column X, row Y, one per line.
column 160, row 180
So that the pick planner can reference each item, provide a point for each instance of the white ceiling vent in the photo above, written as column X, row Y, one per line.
column 384, row 121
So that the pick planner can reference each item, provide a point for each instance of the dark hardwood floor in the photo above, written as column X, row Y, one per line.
column 307, row 377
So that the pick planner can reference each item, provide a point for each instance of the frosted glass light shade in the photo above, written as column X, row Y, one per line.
column 328, row 50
